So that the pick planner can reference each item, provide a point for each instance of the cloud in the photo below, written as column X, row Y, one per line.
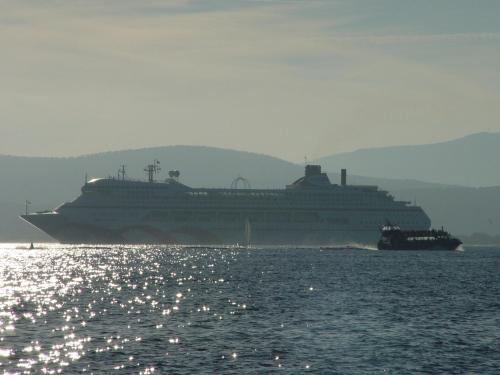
column 240, row 76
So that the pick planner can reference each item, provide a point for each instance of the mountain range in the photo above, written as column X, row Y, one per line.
column 462, row 204
column 467, row 161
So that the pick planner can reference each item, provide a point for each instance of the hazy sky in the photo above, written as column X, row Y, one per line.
column 286, row 78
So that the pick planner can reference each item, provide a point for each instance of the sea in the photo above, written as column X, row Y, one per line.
column 233, row 310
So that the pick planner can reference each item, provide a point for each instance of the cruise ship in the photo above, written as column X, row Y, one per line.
column 309, row 211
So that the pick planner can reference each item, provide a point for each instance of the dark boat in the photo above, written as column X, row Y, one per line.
column 393, row 238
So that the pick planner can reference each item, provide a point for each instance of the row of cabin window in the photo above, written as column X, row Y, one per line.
column 138, row 194
column 232, row 217
column 147, row 197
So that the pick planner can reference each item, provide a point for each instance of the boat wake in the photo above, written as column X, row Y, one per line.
column 350, row 246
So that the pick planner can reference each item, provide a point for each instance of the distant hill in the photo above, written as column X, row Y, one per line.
column 48, row 182
column 468, row 161
column 462, row 210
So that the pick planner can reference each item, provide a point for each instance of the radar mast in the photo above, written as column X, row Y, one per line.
column 174, row 174
column 122, row 173
column 152, row 170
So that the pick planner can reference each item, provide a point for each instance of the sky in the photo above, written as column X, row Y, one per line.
column 287, row 78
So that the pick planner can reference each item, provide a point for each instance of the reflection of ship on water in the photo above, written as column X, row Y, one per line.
column 311, row 210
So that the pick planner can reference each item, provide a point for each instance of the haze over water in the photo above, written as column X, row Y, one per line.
column 180, row 310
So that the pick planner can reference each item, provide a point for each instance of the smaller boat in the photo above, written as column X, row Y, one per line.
column 394, row 238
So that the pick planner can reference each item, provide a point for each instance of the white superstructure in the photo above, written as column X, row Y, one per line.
column 309, row 211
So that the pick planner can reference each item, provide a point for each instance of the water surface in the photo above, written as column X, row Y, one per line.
column 180, row 310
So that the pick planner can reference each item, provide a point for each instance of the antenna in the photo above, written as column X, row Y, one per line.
column 305, row 159
column 152, row 170
column 122, row 173
column 86, row 178
column 27, row 203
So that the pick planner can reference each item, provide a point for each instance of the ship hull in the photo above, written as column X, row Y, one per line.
column 66, row 230
column 448, row 245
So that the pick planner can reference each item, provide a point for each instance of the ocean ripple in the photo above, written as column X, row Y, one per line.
column 196, row 310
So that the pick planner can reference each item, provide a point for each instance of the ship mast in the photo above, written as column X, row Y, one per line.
column 121, row 173
column 152, row 170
